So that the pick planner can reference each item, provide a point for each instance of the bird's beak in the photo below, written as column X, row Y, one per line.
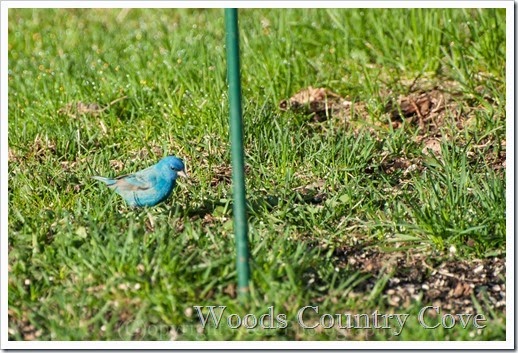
column 182, row 174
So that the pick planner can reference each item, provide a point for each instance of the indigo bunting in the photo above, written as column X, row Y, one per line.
column 150, row 186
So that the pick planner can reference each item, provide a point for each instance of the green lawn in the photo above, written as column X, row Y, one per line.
column 353, row 214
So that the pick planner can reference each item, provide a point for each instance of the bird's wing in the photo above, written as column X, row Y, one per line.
column 134, row 182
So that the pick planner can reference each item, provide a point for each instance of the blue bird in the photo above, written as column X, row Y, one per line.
column 150, row 186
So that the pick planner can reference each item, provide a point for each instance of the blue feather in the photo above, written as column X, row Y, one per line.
column 150, row 186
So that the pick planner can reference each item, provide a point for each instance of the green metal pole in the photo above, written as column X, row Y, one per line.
column 236, row 142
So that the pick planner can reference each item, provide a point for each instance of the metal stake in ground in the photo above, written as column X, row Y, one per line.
column 236, row 142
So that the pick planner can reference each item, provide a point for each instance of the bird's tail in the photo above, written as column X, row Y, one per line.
column 107, row 181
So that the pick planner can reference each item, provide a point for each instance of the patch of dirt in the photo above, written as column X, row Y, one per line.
column 436, row 110
column 313, row 193
column 391, row 165
column 431, row 146
column 427, row 105
column 79, row 108
column 321, row 103
column 68, row 166
column 23, row 326
column 179, row 226
column 116, row 165
column 449, row 284
column 208, row 219
column 76, row 109
column 223, row 174
column 499, row 162
column 494, row 152
column 12, row 156
column 424, row 109
column 42, row 147
column 230, row 290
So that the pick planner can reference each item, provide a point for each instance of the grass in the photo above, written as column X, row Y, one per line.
column 84, row 266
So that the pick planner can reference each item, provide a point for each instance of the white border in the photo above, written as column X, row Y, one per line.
column 510, row 339
column 313, row 345
column 255, row 4
column 509, row 208
column 3, row 174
